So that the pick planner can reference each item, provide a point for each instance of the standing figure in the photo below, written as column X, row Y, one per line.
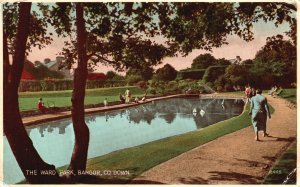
column 127, row 96
column 105, row 102
column 253, row 92
column 259, row 110
column 248, row 92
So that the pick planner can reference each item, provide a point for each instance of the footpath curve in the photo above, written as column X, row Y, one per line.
column 235, row 158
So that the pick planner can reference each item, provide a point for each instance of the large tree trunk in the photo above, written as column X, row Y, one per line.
column 26, row 155
column 6, row 65
column 79, row 156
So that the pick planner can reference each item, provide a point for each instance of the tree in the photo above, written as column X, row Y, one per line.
column 111, row 75
column 203, row 61
column 81, row 131
column 278, row 12
column 146, row 72
column 277, row 57
column 166, row 73
column 21, row 145
column 236, row 75
column 37, row 35
column 247, row 62
column 222, row 62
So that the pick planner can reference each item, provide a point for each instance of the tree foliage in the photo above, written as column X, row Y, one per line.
column 236, row 74
column 111, row 75
column 203, row 61
column 38, row 34
column 166, row 73
column 146, row 72
column 279, row 58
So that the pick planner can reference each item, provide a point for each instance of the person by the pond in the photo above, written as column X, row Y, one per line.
column 122, row 99
column 127, row 96
column 105, row 102
column 136, row 100
column 259, row 111
column 253, row 92
column 144, row 97
column 248, row 92
column 41, row 106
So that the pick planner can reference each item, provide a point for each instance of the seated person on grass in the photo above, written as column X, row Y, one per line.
column 41, row 106
column 144, row 97
column 122, row 98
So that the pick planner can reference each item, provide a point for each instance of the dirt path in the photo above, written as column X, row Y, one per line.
column 232, row 159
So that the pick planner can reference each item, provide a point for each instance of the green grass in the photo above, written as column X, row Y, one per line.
column 29, row 100
column 141, row 158
column 283, row 166
column 289, row 94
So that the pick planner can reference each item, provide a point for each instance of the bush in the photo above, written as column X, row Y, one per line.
column 142, row 84
column 151, row 91
column 228, row 87
column 172, row 87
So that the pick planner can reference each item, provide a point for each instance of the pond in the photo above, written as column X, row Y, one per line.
column 119, row 129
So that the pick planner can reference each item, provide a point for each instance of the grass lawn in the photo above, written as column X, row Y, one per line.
column 29, row 100
column 141, row 158
column 283, row 166
column 289, row 94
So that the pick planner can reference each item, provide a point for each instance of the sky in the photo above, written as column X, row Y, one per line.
column 236, row 47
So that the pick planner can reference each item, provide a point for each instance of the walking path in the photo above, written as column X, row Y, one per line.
column 234, row 158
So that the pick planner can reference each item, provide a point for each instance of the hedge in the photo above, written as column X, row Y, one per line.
column 60, row 84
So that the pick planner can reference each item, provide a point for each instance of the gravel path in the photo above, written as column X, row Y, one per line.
column 235, row 158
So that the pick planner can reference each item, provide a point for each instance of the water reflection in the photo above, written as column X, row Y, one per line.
column 204, row 112
column 50, row 127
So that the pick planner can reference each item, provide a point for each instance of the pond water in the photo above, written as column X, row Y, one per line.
column 115, row 130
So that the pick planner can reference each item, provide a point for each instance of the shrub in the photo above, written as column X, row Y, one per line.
column 142, row 84
column 228, row 87
column 151, row 90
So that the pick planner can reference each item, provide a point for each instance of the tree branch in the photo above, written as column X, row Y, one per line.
column 100, row 57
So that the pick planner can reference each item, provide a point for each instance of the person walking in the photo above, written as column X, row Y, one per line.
column 259, row 111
